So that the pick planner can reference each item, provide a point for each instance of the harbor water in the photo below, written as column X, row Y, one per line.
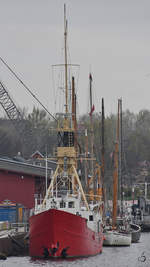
column 137, row 255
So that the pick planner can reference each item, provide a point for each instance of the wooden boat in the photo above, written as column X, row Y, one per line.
column 117, row 238
column 125, row 224
column 120, row 235
column 64, row 224
column 135, row 232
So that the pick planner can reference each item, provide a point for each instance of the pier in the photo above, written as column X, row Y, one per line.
column 13, row 240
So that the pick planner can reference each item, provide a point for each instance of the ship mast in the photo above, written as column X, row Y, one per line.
column 66, row 149
column 103, row 153
column 66, row 70
column 115, row 172
column 93, row 179
column 91, row 124
column 121, row 158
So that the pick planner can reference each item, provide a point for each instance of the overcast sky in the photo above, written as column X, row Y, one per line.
column 110, row 38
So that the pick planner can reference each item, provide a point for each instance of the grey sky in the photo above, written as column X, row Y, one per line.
column 109, row 37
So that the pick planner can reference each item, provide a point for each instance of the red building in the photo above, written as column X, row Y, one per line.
column 20, row 182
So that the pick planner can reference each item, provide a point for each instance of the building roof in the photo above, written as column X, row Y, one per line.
column 24, row 168
column 37, row 154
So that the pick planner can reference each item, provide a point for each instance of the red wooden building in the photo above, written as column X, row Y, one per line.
column 19, row 182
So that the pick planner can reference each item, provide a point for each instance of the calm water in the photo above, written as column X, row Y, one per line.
column 110, row 257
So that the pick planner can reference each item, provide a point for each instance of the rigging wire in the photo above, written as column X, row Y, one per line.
column 27, row 88
column 60, row 92
column 58, row 83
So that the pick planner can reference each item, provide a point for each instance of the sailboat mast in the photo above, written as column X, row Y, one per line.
column 103, row 150
column 121, row 158
column 66, row 71
column 86, row 156
column 118, row 123
column 90, row 78
column 91, row 122
column 115, row 172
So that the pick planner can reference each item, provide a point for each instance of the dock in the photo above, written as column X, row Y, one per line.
column 14, row 241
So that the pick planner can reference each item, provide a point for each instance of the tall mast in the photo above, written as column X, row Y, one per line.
column 90, row 78
column 103, row 150
column 86, row 156
column 121, row 157
column 91, row 122
column 66, row 71
column 66, row 150
column 115, row 172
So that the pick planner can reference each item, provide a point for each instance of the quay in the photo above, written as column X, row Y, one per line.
column 14, row 240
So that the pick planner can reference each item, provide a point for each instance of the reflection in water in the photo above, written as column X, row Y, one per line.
column 137, row 255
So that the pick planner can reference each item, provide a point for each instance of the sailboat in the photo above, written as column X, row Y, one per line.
column 115, row 234
column 64, row 225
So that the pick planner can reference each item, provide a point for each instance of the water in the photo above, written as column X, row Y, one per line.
column 110, row 257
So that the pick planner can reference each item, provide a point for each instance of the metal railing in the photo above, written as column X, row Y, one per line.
column 19, row 227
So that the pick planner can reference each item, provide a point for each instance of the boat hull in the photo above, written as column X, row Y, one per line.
column 114, row 238
column 55, row 233
column 135, row 233
column 145, row 223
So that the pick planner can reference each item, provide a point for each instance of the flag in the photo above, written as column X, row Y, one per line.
column 92, row 110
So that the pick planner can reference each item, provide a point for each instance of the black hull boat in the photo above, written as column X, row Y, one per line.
column 135, row 232
column 141, row 214
column 145, row 223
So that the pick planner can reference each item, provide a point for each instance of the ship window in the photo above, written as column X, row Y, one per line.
column 71, row 204
column 62, row 204
column 90, row 217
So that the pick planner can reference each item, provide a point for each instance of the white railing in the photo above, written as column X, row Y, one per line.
column 19, row 227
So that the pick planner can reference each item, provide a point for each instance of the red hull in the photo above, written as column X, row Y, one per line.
column 56, row 233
